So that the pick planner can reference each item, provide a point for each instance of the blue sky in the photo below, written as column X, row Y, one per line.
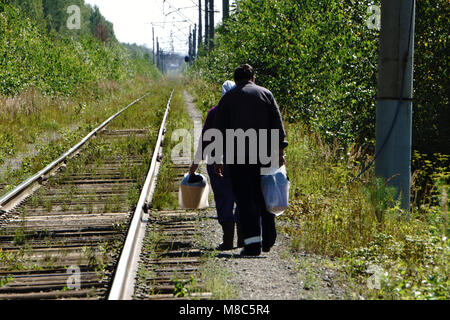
column 133, row 20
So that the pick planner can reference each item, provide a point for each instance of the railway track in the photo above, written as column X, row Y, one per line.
column 64, row 233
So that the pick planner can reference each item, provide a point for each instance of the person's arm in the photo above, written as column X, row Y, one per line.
column 193, row 168
column 220, row 123
column 198, row 157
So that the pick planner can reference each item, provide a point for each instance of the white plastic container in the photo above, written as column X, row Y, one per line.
column 275, row 188
column 193, row 195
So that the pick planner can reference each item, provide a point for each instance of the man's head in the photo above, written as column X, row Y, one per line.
column 244, row 73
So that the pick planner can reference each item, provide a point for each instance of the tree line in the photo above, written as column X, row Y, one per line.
column 39, row 50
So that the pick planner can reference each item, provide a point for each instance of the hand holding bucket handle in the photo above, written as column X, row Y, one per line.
column 218, row 169
column 282, row 158
column 195, row 178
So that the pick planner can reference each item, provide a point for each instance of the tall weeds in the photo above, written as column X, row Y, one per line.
column 362, row 223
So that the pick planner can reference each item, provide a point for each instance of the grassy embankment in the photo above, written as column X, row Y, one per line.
column 320, row 59
column 55, row 88
column 57, row 123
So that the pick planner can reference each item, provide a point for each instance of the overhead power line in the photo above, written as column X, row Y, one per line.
column 166, row 22
column 177, row 10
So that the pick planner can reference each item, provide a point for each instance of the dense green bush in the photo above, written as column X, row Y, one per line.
column 53, row 15
column 317, row 57
column 431, row 80
column 320, row 60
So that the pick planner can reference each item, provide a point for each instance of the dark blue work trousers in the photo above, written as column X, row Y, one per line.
column 223, row 196
column 258, row 225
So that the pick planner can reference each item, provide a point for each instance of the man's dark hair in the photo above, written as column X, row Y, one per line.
column 244, row 72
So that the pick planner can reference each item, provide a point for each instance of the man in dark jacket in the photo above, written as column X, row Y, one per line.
column 251, row 124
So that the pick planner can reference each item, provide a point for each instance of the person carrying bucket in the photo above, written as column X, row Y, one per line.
column 223, row 193
column 245, row 116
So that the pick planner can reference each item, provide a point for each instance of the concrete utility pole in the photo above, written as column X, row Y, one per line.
column 200, row 35
column 394, row 107
column 211, row 23
column 206, row 23
column 226, row 9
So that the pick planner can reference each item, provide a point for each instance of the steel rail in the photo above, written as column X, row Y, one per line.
column 17, row 191
column 123, row 273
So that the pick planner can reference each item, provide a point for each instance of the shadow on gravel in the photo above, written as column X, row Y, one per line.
column 238, row 256
column 231, row 255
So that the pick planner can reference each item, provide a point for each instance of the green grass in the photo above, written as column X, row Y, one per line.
column 144, row 115
column 27, row 116
column 24, row 127
column 216, row 280
column 60, row 64
column 361, row 224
